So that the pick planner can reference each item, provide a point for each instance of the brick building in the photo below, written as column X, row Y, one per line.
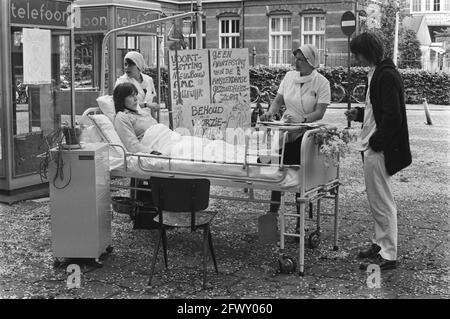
column 271, row 29
column 427, row 18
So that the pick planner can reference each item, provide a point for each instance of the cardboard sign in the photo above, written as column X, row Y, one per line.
column 230, row 80
column 189, row 77
column 208, row 107
column 189, row 84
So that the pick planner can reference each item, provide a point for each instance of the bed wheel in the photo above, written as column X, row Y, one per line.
column 314, row 240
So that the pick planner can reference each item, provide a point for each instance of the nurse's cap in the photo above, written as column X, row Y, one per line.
column 310, row 53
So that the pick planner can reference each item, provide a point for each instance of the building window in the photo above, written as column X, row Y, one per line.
column 437, row 5
column 280, row 40
column 446, row 5
column 416, row 5
column 190, row 33
column 427, row 5
column 229, row 33
column 313, row 32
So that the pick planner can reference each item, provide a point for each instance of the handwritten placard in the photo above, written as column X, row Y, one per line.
column 37, row 56
column 189, row 77
column 207, row 108
column 189, row 84
column 212, row 120
column 230, row 81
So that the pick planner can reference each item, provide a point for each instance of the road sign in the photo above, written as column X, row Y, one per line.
column 348, row 23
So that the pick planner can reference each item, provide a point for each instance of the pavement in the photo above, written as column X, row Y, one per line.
column 248, row 269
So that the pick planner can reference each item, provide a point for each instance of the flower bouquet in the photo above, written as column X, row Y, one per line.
column 333, row 143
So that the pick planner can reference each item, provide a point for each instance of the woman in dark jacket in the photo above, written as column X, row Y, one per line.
column 384, row 140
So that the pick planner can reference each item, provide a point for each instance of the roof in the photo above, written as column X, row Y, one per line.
column 413, row 23
column 151, row 5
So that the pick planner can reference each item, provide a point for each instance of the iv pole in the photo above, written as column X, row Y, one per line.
column 109, row 33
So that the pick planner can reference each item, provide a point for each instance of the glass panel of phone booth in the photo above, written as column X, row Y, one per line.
column 85, row 62
column 2, row 141
column 36, row 111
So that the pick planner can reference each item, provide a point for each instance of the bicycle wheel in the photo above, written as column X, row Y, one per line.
column 337, row 93
column 359, row 93
column 254, row 94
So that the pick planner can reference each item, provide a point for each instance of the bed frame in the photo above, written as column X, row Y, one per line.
column 317, row 181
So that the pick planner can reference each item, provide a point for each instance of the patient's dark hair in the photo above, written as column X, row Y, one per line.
column 120, row 93
column 369, row 46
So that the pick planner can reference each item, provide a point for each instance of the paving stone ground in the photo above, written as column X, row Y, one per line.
column 248, row 269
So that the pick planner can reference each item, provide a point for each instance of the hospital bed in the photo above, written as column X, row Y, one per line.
column 314, row 180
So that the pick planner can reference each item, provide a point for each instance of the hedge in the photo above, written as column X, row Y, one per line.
column 434, row 86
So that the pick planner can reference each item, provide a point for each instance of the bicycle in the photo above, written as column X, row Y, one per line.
column 266, row 96
column 338, row 92
column 21, row 93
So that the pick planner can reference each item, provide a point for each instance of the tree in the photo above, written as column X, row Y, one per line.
column 409, row 48
column 386, row 31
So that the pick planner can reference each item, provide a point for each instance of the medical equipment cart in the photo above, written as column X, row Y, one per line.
column 80, row 202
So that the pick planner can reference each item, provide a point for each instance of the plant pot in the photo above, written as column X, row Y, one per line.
column 72, row 135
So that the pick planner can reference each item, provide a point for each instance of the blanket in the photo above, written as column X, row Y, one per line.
column 162, row 139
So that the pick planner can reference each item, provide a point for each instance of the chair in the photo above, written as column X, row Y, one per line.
column 182, row 203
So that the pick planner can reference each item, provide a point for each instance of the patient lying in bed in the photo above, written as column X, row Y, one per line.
column 140, row 132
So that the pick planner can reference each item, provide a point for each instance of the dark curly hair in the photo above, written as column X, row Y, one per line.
column 122, row 91
column 369, row 46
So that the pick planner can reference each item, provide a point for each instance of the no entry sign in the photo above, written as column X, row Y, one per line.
column 348, row 23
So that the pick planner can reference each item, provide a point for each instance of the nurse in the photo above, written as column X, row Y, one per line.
column 306, row 95
column 304, row 92
column 134, row 64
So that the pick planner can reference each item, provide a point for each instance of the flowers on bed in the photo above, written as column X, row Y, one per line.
column 333, row 143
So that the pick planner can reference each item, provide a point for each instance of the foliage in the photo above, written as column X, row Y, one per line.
column 386, row 31
column 82, row 71
column 409, row 48
column 418, row 83
column 434, row 86
column 164, row 81
column 333, row 144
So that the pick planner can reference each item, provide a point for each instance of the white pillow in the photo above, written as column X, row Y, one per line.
column 90, row 135
column 109, row 133
column 106, row 104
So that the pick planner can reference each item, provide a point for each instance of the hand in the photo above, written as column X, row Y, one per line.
column 351, row 114
column 287, row 118
column 266, row 117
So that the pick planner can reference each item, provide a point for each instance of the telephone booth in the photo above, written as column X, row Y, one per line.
column 98, row 17
column 35, row 89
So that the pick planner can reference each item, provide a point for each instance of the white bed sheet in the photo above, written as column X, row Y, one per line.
column 271, row 173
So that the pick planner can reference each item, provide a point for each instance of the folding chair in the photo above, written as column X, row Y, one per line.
column 182, row 203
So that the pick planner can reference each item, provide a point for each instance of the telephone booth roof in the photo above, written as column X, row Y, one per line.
column 125, row 3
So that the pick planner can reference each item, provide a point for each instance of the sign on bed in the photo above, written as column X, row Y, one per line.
column 210, row 91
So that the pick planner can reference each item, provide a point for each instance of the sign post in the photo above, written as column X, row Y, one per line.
column 348, row 27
